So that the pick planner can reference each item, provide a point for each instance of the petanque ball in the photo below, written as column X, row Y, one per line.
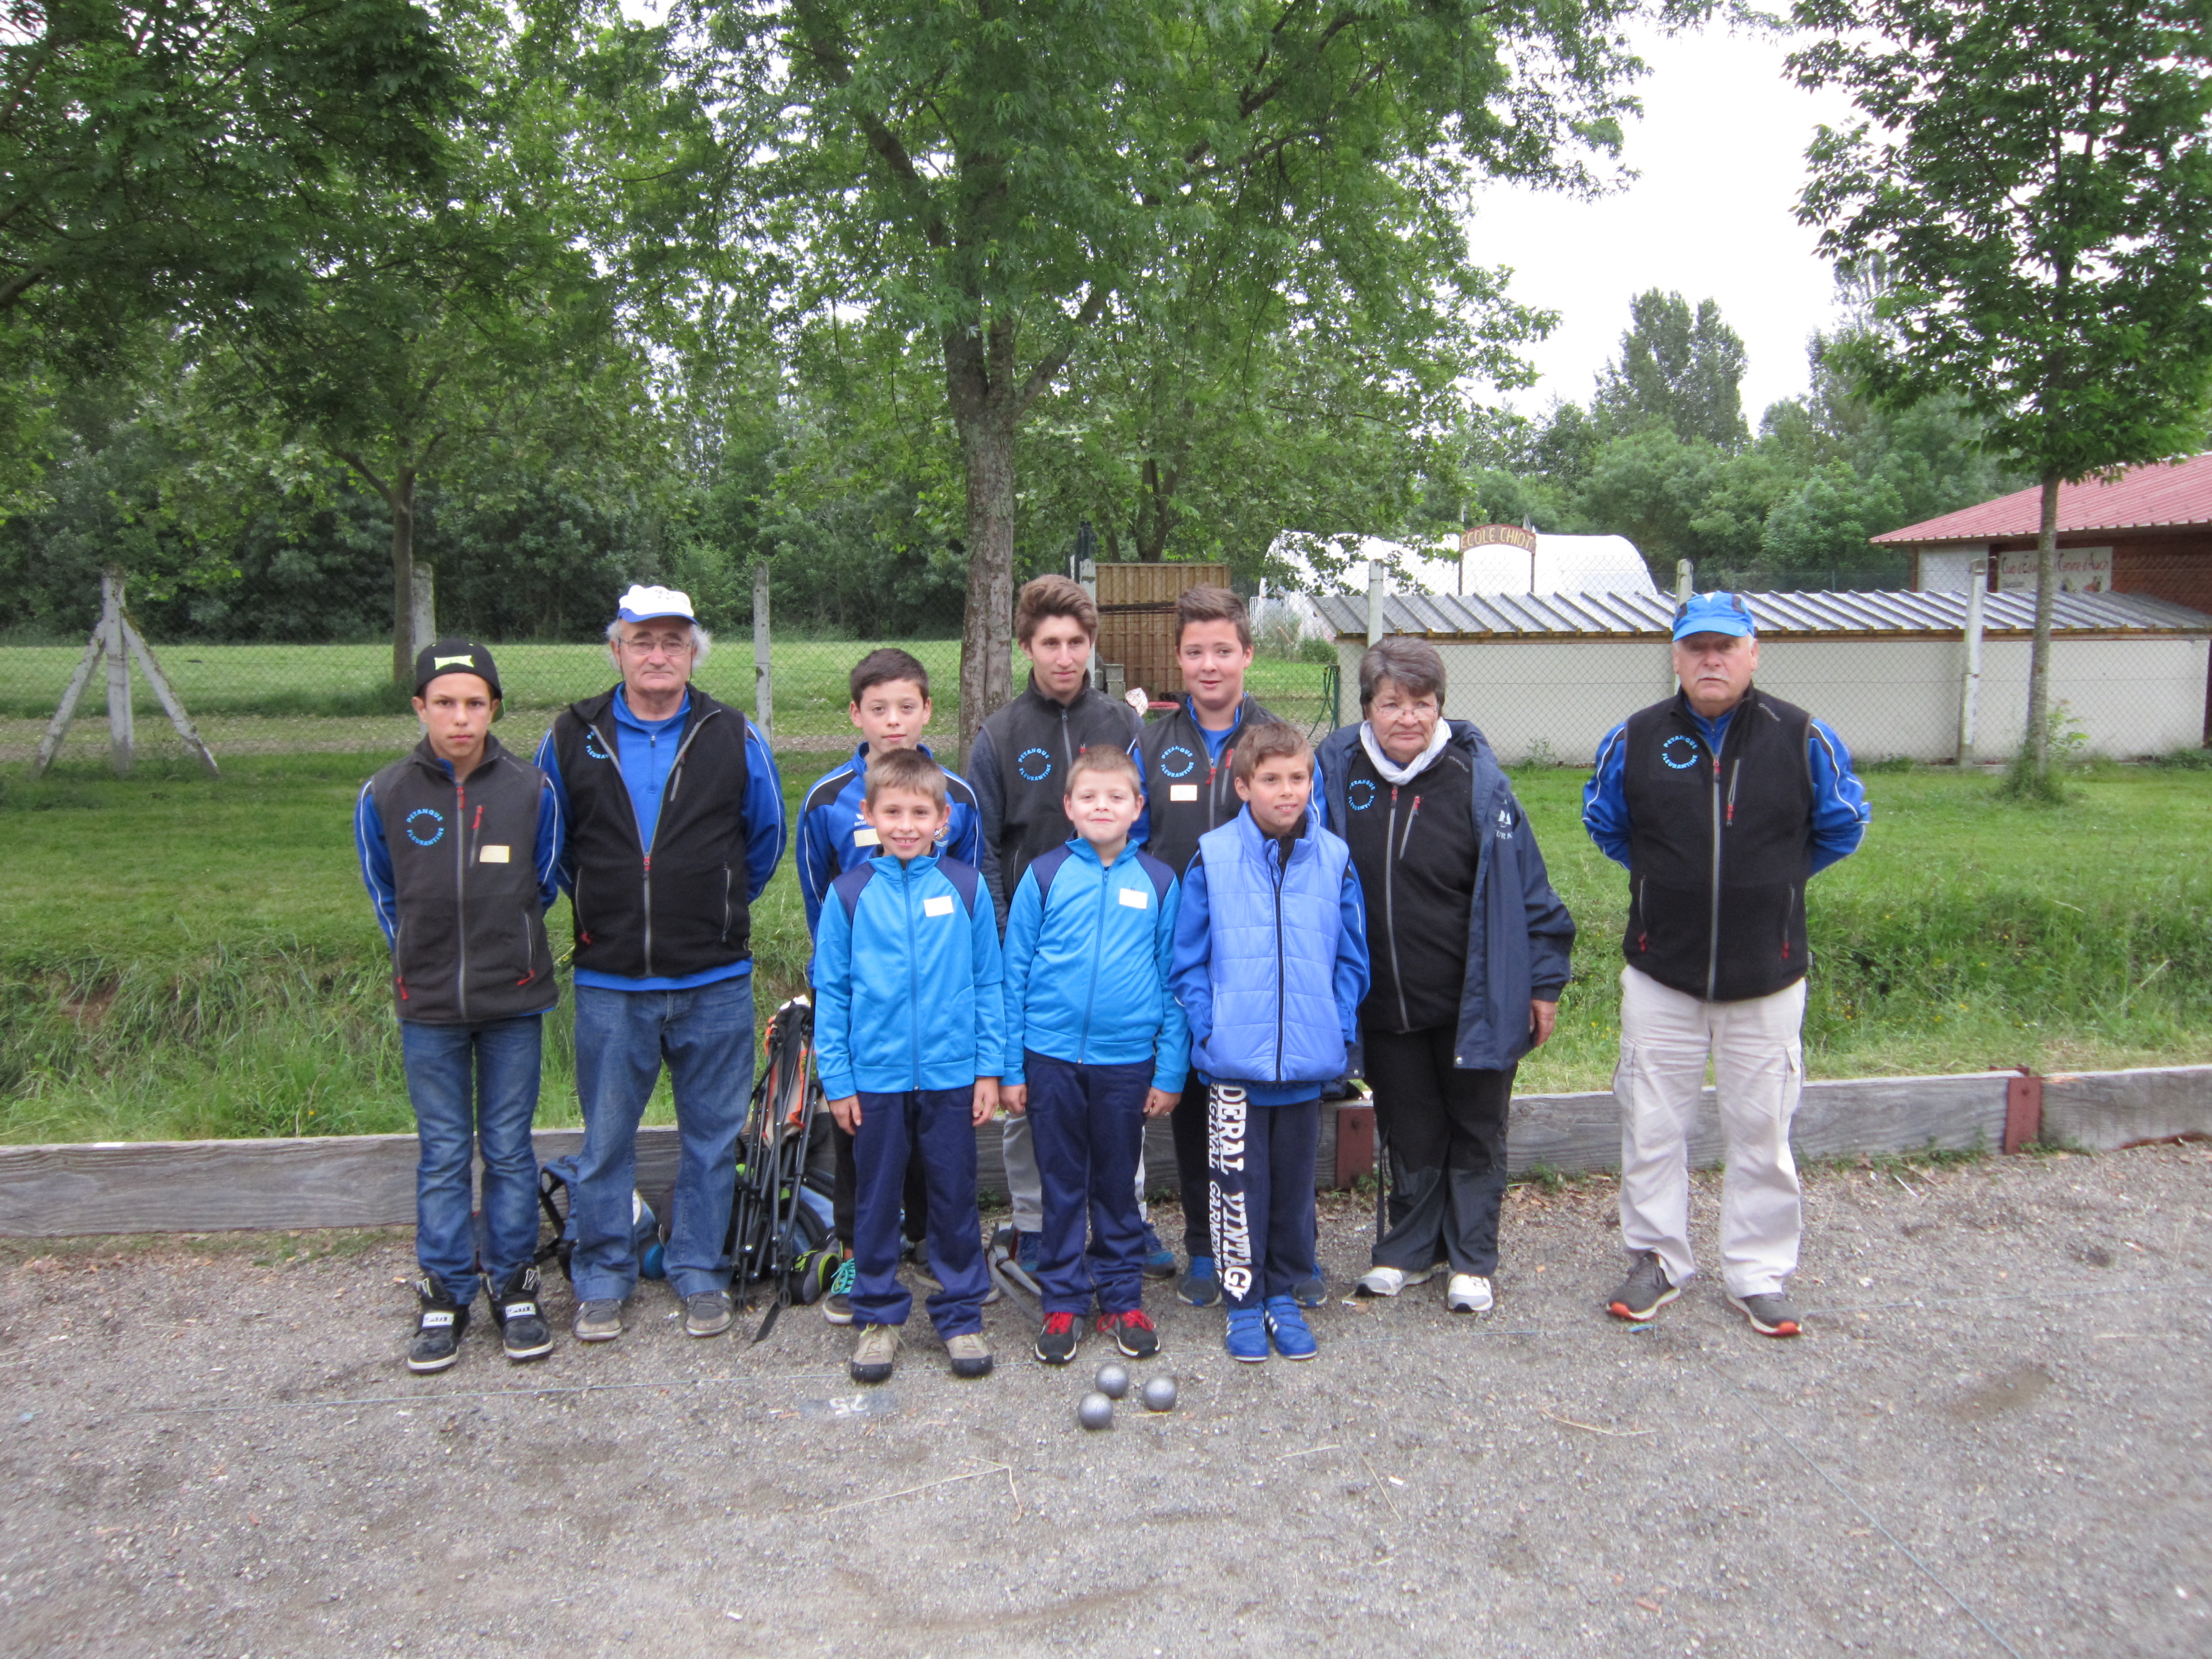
column 1159, row 1393
column 1095, row 1411
column 1113, row 1379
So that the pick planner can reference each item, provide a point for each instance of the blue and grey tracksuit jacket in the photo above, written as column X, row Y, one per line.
column 909, row 983
column 1271, row 962
column 1089, row 950
column 832, row 839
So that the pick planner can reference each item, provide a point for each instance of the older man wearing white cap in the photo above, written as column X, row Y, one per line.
column 676, row 816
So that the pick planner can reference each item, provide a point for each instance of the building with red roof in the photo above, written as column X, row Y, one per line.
column 2148, row 530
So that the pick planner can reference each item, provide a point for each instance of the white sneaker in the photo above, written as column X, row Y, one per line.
column 1468, row 1293
column 1388, row 1281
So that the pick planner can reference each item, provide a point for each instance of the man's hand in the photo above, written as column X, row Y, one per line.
column 847, row 1113
column 1139, row 699
column 1158, row 1102
column 1015, row 1098
column 987, row 1100
column 1543, row 1017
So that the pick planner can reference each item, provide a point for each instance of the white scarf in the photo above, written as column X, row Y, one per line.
column 1390, row 769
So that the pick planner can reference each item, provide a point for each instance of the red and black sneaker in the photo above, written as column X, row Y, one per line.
column 1057, row 1342
column 1132, row 1332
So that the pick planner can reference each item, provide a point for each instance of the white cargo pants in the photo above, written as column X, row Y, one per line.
column 1758, row 1068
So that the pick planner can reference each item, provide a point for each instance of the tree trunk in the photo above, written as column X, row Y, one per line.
column 2038, row 746
column 986, row 450
column 399, row 496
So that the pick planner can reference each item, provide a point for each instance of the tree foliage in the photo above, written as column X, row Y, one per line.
column 1677, row 370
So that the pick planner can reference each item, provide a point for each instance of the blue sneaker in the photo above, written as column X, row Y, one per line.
column 1159, row 1261
column 1247, row 1335
column 1200, row 1286
column 1311, row 1292
column 1294, row 1338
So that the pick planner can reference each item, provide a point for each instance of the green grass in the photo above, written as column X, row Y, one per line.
column 186, row 956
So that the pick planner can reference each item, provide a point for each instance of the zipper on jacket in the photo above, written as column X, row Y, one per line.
column 1282, row 967
column 667, row 795
column 461, row 894
column 1713, row 920
column 913, row 973
column 1390, row 852
column 1091, row 992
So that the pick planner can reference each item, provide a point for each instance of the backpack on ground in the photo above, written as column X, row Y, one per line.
column 557, row 1241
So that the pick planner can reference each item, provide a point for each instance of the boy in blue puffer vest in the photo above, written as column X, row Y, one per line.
column 908, row 1023
column 1270, row 967
column 1096, row 1044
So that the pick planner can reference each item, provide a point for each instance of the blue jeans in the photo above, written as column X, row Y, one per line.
column 936, row 1128
column 706, row 1036
column 1087, row 1123
column 474, row 1087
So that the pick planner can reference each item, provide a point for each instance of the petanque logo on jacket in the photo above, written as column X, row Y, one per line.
column 425, row 819
column 1504, row 831
column 1177, row 762
column 1689, row 752
column 592, row 746
column 1362, row 793
column 1022, row 762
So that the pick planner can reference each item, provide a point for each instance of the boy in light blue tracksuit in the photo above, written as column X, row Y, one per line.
column 1095, row 1042
column 1271, row 967
column 909, row 1019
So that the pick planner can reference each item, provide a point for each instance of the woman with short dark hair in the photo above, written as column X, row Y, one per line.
column 1469, row 945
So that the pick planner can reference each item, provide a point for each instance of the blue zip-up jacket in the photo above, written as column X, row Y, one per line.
column 1519, row 935
column 909, row 988
column 646, row 750
column 1840, row 812
column 832, row 839
column 1089, row 959
column 1271, row 963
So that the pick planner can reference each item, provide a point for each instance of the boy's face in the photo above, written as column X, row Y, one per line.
column 456, row 711
column 1102, row 806
column 1059, row 651
column 1213, row 660
column 1277, row 792
column 891, row 714
column 906, row 821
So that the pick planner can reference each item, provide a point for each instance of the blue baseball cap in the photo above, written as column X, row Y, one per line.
column 1714, row 613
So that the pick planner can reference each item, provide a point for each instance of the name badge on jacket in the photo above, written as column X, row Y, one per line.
column 493, row 855
column 937, row 904
column 1136, row 898
column 1182, row 791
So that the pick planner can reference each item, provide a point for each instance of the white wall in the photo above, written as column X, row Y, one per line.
column 1556, row 698
column 1948, row 570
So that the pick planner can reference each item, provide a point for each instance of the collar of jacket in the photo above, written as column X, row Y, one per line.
column 591, row 710
column 1689, row 716
column 1053, row 704
column 887, row 864
column 427, row 756
column 1261, row 845
column 626, row 715
column 860, row 754
column 1079, row 848
column 1188, row 710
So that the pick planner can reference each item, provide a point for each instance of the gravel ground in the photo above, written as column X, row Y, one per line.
column 1989, row 1441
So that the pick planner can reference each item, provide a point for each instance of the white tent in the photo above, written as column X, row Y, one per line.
column 1561, row 564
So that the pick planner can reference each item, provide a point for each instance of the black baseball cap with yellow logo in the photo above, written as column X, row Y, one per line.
column 455, row 657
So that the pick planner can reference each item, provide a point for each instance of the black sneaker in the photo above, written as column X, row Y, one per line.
column 1645, row 1291
column 1132, row 1332
column 441, row 1319
column 523, row 1331
column 1058, row 1340
column 1773, row 1315
column 709, row 1313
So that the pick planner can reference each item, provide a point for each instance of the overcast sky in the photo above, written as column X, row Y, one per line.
column 1720, row 150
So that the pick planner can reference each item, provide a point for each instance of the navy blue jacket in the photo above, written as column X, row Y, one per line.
column 832, row 839
column 1519, row 936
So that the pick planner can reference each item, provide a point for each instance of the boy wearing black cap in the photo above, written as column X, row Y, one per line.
column 459, row 843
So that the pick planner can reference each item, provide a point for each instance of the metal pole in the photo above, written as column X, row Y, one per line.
column 1684, row 586
column 1970, row 689
column 1379, row 591
column 118, row 672
column 1086, row 578
column 764, row 680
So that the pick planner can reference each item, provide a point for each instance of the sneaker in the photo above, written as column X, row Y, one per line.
column 1773, row 1315
column 1159, row 1261
column 1645, row 1291
column 875, row 1353
column 1311, row 1292
column 837, row 1306
column 441, row 1318
column 1247, row 1338
column 599, row 1321
column 1200, row 1286
column 1286, row 1327
column 523, row 1331
column 1132, row 1332
column 1388, row 1281
column 971, row 1354
column 1029, row 1253
column 1468, row 1293
column 1057, row 1342
column 709, row 1313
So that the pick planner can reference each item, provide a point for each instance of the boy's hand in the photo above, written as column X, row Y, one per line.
column 987, row 1100
column 1543, row 1017
column 847, row 1113
column 1015, row 1098
column 1158, row 1102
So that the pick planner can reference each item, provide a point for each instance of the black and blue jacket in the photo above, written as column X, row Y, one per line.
column 832, row 839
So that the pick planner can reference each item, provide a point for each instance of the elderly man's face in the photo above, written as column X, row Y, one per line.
column 654, row 656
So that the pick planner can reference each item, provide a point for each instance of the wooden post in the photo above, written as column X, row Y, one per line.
column 1685, row 585
column 119, row 733
column 423, row 606
column 1969, row 688
column 172, row 705
column 1378, row 595
column 763, row 678
column 57, row 728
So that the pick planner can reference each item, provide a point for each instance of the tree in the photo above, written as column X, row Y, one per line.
column 1001, row 179
column 1676, row 371
column 2040, row 198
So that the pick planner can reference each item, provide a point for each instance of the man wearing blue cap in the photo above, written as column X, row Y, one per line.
column 1720, row 802
column 676, row 822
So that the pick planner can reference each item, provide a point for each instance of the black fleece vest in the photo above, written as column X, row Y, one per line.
column 1037, row 741
column 678, row 907
column 1720, row 846
column 1185, row 793
column 472, row 941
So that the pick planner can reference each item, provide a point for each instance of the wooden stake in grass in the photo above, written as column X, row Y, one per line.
column 115, row 641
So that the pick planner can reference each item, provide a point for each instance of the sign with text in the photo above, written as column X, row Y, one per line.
column 2081, row 570
column 1492, row 535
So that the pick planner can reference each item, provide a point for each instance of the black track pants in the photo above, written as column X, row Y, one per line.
column 1446, row 1130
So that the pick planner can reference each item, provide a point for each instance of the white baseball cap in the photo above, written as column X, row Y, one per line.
column 642, row 602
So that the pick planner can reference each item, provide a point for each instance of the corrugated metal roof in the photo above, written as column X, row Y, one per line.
column 1625, row 616
column 2164, row 496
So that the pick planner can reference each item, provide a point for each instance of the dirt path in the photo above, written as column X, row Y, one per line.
column 210, row 1449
